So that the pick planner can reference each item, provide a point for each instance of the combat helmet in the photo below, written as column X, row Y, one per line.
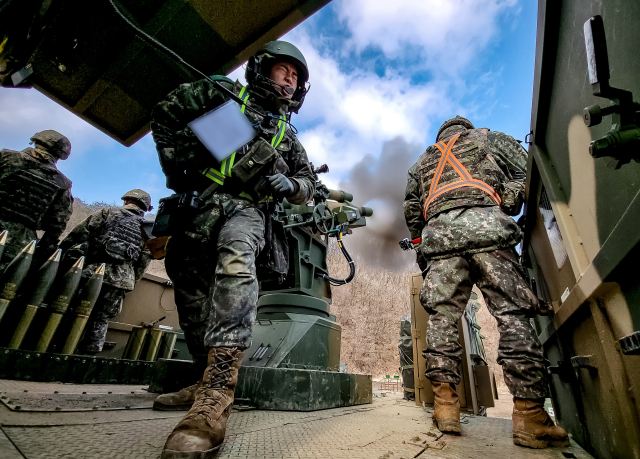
column 54, row 142
column 141, row 197
column 457, row 121
column 259, row 68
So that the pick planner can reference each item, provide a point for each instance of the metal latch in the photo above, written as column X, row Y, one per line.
column 630, row 344
column 561, row 369
column 583, row 361
column 622, row 142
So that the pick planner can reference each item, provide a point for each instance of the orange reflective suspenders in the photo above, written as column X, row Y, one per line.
column 465, row 177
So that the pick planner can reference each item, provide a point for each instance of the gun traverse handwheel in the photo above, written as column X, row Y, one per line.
column 323, row 218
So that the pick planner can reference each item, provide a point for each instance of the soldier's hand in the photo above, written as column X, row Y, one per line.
column 281, row 185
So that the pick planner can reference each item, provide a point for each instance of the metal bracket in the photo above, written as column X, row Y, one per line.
column 583, row 361
column 622, row 142
column 19, row 78
column 561, row 369
column 630, row 344
column 528, row 139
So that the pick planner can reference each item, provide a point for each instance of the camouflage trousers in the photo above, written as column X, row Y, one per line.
column 107, row 307
column 215, row 284
column 445, row 293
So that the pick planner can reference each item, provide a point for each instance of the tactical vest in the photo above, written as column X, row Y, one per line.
column 26, row 196
column 122, row 236
column 460, row 171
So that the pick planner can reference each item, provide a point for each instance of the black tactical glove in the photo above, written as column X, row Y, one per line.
column 281, row 185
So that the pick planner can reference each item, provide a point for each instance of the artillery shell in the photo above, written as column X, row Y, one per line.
column 63, row 293
column 14, row 275
column 87, row 300
column 43, row 280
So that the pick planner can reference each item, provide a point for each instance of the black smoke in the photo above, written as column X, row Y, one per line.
column 379, row 183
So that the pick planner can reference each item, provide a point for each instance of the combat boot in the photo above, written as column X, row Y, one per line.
column 533, row 427
column 201, row 432
column 446, row 404
column 177, row 401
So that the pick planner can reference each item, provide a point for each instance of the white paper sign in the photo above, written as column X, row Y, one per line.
column 223, row 130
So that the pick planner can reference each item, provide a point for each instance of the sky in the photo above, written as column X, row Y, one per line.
column 384, row 76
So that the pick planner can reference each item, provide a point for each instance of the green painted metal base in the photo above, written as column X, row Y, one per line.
column 276, row 388
column 301, row 390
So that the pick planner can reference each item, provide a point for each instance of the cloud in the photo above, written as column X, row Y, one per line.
column 349, row 115
column 445, row 34
column 27, row 111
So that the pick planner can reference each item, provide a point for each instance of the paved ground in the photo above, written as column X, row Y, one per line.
column 389, row 428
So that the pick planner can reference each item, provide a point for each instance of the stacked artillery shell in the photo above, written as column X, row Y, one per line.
column 64, row 292
column 3, row 241
column 43, row 282
column 14, row 275
column 88, row 298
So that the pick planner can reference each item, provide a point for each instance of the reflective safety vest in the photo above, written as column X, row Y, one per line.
column 466, row 179
column 219, row 175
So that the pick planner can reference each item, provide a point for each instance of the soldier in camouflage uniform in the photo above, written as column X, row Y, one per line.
column 212, row 259
column 459, row 196
column 113, row 236
column 34, row 195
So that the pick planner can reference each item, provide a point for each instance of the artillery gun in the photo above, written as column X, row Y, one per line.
column 295, row 337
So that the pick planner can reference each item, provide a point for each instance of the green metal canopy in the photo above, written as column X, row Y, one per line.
column 85, row 57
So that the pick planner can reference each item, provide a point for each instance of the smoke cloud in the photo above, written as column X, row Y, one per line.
column 379, row 183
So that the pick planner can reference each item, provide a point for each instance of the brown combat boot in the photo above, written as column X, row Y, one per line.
column 533, row 427
column 446, row 404
column 177, row 401
column 184, row 398
column 201, row 432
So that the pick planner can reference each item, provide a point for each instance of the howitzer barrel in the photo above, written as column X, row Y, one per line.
column 43, row 280
column 14, row 275
column 63, row 294
column 340, row 196
column 88, row 298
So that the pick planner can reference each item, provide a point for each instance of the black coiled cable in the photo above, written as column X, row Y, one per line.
column 352, row 266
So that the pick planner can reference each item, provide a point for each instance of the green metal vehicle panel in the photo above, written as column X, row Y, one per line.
column 582, row 217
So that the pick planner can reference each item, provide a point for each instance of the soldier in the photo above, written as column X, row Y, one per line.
column 458, row 198
column 34, row 195
column 212, row 259
column 112, row 235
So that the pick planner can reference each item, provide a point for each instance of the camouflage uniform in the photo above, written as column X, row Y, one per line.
column 468, row 239
column 102, row 239
column 212, row 262
column 34, row 196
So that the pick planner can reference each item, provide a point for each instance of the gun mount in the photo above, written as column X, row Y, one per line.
column 294, row 326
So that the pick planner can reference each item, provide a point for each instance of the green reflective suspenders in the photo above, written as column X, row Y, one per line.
column 219, row 176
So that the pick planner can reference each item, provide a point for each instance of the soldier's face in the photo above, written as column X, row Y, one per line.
column 284, row 73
